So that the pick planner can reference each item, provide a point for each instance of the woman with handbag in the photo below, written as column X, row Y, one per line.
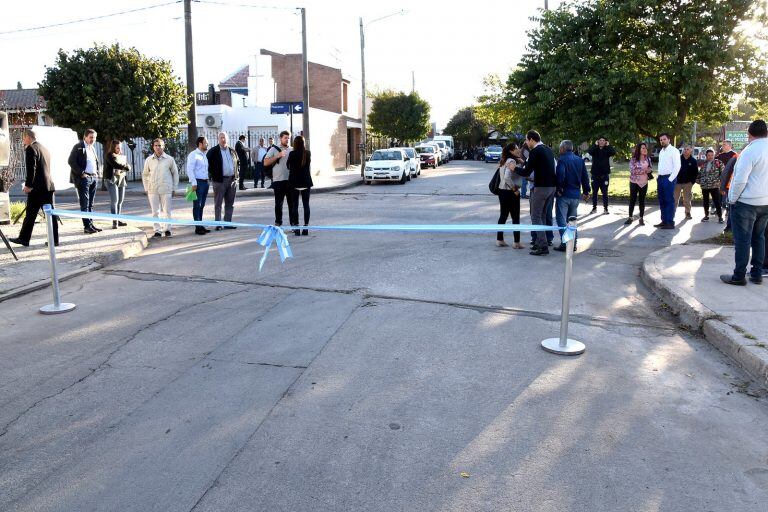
column 509, row 192
column 115, row 170
column 640, row 171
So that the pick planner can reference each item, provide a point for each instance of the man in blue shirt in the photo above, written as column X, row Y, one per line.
column 572, row 186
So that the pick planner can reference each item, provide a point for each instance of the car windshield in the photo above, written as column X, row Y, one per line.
column 440, row 143
column 425, row 149
column 386, row 155
column 410, row 152
column 494, row 149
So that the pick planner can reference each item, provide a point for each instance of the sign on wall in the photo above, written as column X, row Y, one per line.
column 738, row 138
column 287, row 107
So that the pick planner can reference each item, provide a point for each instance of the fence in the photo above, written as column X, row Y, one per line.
column 174, row 146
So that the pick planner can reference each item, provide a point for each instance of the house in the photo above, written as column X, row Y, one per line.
column 25, row 107
column 242, row 105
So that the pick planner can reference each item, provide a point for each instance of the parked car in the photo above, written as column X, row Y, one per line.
column 414, row 161
column 429, row 154
column 699, row 153
column 444, row 149
column 492, row 154
column 440, row 152
column 387, row 165
column 448, row 139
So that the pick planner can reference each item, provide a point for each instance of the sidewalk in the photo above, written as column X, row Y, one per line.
column 33, row 270
column 732, row 318
column 339, row 180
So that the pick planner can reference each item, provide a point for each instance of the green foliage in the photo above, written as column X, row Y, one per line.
column 116, row 91
column 495, row 107
column 466, row 128
column 630, row 68
column 400, row 116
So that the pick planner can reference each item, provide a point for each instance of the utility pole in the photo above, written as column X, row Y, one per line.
column 413, row 81
column 192, row 115
column 363, row 135
column 546, row 5
column 305, row 75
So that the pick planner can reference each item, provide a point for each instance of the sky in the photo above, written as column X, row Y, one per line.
column 450, row 49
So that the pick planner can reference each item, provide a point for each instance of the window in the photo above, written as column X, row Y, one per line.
column 344, row 97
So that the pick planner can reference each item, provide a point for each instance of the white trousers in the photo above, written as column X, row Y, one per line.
column 161, row 208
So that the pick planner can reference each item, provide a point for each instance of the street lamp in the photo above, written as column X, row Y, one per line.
column 363, row 138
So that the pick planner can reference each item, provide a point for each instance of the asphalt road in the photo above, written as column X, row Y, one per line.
column 374, row 372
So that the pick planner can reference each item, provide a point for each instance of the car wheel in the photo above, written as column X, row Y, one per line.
column 403, row 178
column 367, row 182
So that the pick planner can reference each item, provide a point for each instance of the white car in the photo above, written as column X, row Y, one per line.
column 414, row 160
column 388, row 165
column 444, row 149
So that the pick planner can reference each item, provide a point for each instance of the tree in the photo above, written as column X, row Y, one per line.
column 628, row 68
column 117, row 91
column 400, row 116
column 466, row 127
column 495, row 107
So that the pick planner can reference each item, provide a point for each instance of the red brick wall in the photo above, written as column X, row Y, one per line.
column 324, row 82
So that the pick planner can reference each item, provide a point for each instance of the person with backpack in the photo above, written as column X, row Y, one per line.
column 276, row 162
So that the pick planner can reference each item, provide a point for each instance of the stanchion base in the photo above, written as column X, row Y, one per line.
column 571, row 348
column 51, row 309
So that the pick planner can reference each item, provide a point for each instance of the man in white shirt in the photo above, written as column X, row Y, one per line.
column 669, row 166
column 160, row 178
column 197, row 171
column 748, row 197
column 84, row 168
column 257, row 155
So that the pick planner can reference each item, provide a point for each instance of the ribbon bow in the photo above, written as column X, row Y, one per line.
column 274, row 234
column 569, row 234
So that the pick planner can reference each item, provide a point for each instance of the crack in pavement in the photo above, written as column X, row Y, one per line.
column 216, row 480
column 105, row 362
column 257, row 363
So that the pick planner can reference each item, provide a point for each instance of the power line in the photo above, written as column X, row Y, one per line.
column 72, row 22
column 252, row 6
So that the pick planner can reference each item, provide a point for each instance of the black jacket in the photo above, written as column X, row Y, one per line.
column 541, row 162
column 689, row 169
column 242, row 154
column 216, row 164
column 299, row 176
column 110, row 165
column 78, row 160
column 38, row 160
column 601, row 160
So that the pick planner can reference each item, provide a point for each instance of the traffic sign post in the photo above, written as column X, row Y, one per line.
column 288, row 108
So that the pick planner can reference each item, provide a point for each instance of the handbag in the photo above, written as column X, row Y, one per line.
column 191, row 194
column 493, row 185
column 650, row 175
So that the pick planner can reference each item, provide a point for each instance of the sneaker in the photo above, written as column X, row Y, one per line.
column 157, row 235
column 728, row 279
column 705, row 219
column 167, row 232
column 628, row 221
column 304, row 232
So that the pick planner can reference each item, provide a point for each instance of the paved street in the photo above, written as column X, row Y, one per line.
column 374, row 372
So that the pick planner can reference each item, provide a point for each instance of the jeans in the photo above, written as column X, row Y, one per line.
column 600, row 184
column 749, row 224
column 281, row 192
column 635, row 192
column 293, row 206
column 199, row 204
column 258, row 174
column 161, row 207
column 35, row 201
column 86, row 190
column 714, row 193
column 666, row 193
column 509, row 206
column 542, row 199
column 225, row 192
column 565, row 208
column 116, row 197
column 684, row 190
column 524, row 189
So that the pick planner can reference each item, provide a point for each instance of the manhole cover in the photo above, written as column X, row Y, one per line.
column 606, row 253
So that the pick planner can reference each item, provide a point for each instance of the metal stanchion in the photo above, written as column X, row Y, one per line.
column 563, row 345
column 57, row 306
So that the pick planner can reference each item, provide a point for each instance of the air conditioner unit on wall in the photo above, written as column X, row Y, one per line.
column 212, row 120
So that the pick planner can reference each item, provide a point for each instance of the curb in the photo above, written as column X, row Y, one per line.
column 696, row 316
column 123, row 253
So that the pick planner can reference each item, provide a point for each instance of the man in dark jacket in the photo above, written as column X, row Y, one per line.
column 689, row 169
column 726, row 152
column 223, row 167
column 84, row 168
column 601, row 153
column 242, row 155
column 572, row 185
column 38, row 186
column 540, row 163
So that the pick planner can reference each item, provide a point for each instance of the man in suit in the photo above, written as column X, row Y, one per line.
column 242, row 155
column 38, row 186
column 541, row 163
column 84, row 168
column 223, row 165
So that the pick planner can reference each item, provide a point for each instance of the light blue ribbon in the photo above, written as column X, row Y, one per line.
column 276, row 234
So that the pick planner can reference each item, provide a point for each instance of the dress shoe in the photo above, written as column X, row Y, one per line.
column 207, row 230
column 605, row 212
column 304, row 232
column 242, row 188
column 728, row 279
column 660, row 224
column 157, row 235
column 705, row 219
column 667, row 226
column 218, row 228
column 55, row 244
column 89, row 230
column 628, row 221
column 230, row 227
column 199, row 231
column 539, row 252
column 94, row 227
column 756, row 279
column 594, row 210
column 19, row 241
column 114, row 224
column 167, row 233
column 641, row 222
column 120, row 223
column 561, row 248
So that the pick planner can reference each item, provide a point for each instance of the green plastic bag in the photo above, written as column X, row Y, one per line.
column 191, row 194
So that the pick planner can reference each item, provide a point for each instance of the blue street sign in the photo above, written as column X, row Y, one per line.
column 287, row 107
